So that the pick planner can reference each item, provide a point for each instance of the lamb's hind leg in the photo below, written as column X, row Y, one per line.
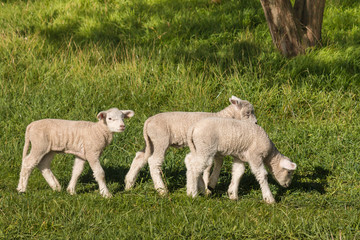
column 136, row 165
column 28, row 164
column 77, row 170
column 211, row 181
column 206, row 177
column 155, row 163
column 44, row 167
column 196, row 164
column 189, row 176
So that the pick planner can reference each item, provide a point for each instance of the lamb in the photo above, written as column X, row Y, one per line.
column 85, row 140
column 245, row 142
column 170, row 129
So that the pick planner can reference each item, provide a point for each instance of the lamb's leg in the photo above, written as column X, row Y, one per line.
column 197, row 165
column 28, row 164
column 76, row 172
column 99, row 175
column 258, row 169
column 238, row 170
column 194, row 177
column 206, row 176
column 136, row 165
column 44, row 167
column 214, row 177
column 155, row 162
column 190, row 184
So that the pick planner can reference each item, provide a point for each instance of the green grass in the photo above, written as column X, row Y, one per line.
column 72, row 59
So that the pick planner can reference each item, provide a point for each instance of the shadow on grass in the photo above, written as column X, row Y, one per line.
column 190, row 30
column 315, row 181
column 113, row 174
column 193, row 31
column 175, row 179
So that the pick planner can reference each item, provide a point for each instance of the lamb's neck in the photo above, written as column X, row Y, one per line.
column 274, row 158
column 226, row 112
column 103, row 130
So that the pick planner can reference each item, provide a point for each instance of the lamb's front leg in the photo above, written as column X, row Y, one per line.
column 99, row 175
column 77, row 170
column 238, row 170
column 261, row 176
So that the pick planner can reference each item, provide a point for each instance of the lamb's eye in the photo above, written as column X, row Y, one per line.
column 110, row 118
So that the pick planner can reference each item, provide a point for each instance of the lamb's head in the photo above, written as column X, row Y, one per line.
column 242, row 109
column 114, row 118
column 283, row 170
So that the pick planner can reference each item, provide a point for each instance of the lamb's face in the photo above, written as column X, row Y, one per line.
column 114, row 118
column 247, row 112
column 244, row 110
column 284, row 172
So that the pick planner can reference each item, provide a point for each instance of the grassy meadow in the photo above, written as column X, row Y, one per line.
column 72, row 59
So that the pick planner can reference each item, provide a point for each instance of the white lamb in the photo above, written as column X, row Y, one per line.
column 170, row 129
column 85, row 140
column 245, row 142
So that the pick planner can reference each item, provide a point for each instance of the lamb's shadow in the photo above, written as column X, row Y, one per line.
column 314, row 181
column 175, row 178
column 247, row 184
column 113, row 174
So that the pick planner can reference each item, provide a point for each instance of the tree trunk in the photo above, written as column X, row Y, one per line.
column 294, row 29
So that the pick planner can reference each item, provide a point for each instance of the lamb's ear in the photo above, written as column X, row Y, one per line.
column 101, row 115
column 235, row 100
column 128, row 113
column 287, row 164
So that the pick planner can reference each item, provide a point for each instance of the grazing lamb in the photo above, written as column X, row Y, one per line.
column 246, row 142
column 85, row 140
column 170, row 129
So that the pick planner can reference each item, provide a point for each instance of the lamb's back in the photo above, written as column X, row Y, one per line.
column 231, row 136
column 174, row 125
column 62, row 135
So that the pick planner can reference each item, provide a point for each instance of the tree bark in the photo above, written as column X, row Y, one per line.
column 294, row 29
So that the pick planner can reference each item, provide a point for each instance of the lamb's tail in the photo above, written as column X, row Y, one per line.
column 190, row 140
column 148, row 144
column 27, row 141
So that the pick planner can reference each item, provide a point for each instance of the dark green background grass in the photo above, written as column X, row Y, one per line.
column 72, row 59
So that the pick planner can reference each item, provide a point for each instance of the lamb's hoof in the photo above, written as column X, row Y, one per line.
column 233, row 196
column 107, row 195
column 208, row 192
column 269, row 200
column 128, row 186
column 20, row 190
column 71, row 191
column 162, row 192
